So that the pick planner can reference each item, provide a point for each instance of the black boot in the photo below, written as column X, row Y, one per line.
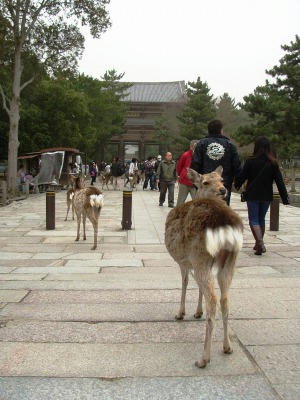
column 263, row 228
column 257, row 233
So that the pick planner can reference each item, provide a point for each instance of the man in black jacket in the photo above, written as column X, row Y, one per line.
column 214, row 150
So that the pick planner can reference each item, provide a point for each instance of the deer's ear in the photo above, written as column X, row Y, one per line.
column 219, row 170
column 193, row 176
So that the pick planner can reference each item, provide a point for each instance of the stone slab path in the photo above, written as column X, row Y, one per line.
column 77, row 324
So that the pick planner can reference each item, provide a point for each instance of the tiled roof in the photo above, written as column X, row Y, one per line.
column 156, row 92
column 139, row 121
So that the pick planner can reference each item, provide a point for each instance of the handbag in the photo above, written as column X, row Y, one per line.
column 244, row 193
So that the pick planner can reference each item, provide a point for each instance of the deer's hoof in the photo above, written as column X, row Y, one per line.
column 179, row 317
column 228, row 349
column 76, row 240
column 198, row 315
column 84, row 238
column 94, row 248
column 65, row 219
column 202, row 363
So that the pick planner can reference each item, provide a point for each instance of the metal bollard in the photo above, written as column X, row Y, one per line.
column 274, row 213
column 50, row 209
column 127, row 210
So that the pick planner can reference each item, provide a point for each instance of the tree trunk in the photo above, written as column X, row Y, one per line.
column 14, row 117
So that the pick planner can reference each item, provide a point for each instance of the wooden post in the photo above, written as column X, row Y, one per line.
column 127, row 210
column 274, row 213
column 50, row 209
column 293, row 177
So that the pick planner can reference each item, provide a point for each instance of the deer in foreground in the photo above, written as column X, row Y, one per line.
column 199, row 233
column 70, row 195
column 88, row 202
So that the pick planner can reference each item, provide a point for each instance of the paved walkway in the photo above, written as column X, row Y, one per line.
column 77, row 324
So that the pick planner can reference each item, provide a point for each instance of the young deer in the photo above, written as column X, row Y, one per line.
column 105, row 179
column 70, row 195
column 87, row 203
column 197, row 234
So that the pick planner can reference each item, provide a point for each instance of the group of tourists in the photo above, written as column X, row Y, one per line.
column 259, row 172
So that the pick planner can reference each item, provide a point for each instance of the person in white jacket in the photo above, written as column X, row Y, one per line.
column 133, row 173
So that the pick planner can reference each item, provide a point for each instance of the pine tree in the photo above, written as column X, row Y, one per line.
column 230, row 114
column 275, row 107
column 198, row 111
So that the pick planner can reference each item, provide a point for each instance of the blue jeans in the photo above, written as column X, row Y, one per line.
column 149, row 177
column 257, row 211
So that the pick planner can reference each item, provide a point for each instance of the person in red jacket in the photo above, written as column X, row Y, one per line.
column 185, row 185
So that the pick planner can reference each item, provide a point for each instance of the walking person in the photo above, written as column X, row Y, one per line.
column 115, row 172
column 149, row 173
column 166, row 174
column 185, row 185
column 260, row 170
column 93, row 173
column 214, row 150
column 156, row 165
column 133, row 173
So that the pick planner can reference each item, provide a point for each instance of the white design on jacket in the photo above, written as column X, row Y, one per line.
column 215, row 151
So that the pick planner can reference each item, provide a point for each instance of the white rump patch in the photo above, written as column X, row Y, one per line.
column 223, row 238
column 71, row 195
column 96, row 200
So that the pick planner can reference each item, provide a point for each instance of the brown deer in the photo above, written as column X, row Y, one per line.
column 70, row 195
column 199, row 233
column 105, row 179
column 88, row 202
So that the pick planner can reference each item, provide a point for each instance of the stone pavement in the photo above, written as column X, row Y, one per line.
column 77, row 324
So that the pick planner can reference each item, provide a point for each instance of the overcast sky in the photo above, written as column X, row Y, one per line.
column 228, row 43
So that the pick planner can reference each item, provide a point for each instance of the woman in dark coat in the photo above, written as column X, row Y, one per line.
column 260, row 171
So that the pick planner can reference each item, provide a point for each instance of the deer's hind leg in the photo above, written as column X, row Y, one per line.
column 84, row 223
column 95, row 226
column 225, row 274
column 68, row 205
column 72, row 210
column 78, row 214
column 184, row 269
column 204, row 278
column 199, row 311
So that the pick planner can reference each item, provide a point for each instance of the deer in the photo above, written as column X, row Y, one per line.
column 105, row 179
column 70, row 195
column 88, row 202
column 198, row 234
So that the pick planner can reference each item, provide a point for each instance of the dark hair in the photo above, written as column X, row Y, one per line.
column 116, row 159
column 134, row 160
column 262, row 145
column 149, row 158
column 215, row 127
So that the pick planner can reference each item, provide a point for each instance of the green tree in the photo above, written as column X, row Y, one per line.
column 49, row 30
column 198, row 111
column 163, row 133
column 108, row 111
column 55, row 114
column 275, row 107
column 231, row 115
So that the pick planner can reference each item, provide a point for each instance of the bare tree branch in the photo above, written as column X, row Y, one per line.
column 23, row 86
column 4, row 99
column 37, row 13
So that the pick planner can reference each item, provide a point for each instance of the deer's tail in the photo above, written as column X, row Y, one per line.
column 223, row 238
column 96, row 200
